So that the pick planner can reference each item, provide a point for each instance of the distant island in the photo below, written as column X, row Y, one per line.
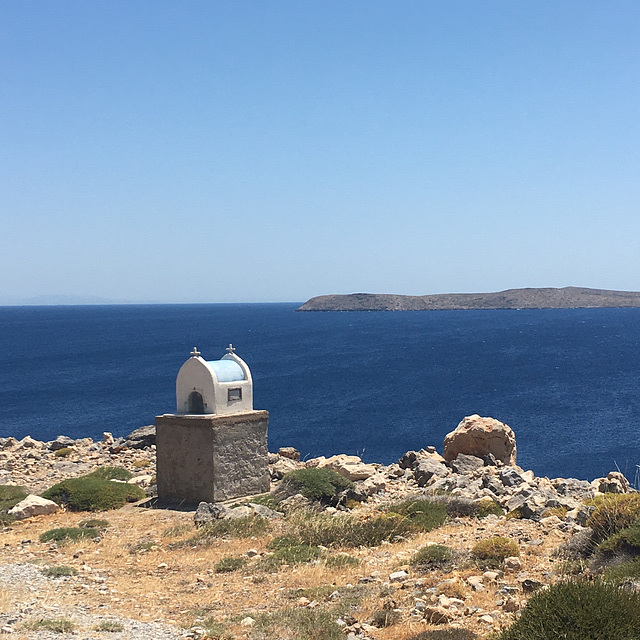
column 529, row 298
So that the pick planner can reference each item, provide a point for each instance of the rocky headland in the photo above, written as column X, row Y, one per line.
column 149, row 576
column 528, row 298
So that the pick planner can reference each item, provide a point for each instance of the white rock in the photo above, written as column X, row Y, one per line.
column 350, row 467
column 141, row 481
column 247, row 622
column 33, row 505
column 398, row 576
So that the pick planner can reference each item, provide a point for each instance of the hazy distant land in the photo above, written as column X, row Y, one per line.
column 530, row 298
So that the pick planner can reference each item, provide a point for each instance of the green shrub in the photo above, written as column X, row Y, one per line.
column 68, row 534
column 625, row 541
column 613, row 512
column 108, row 626
column 496, row 548
column 341, row 560
column 623, row 571
column 319, row 485
column 111, row 473
column 59, row 625
column 446, row 634
column 301, row 624
column 59, row 572
column 94, row 523
column 433, row 556
column 288, row 550
column 93, row 493
column 578, row 611
column 63, row 453
column 10, row 495
column 230, row 563
column 423, row 515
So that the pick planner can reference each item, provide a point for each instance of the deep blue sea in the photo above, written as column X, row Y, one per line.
column 373, row 384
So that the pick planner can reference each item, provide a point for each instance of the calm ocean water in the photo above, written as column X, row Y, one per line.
column 373, row 384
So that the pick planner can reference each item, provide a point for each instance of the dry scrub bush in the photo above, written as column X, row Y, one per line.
column 496, row 548
column 445, row 634
column 298, row 624
column 433, row 556
column 612, row 513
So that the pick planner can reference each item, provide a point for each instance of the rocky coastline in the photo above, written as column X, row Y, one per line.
column 477, row 466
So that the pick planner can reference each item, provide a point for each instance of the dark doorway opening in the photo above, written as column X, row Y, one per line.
column 196, row 402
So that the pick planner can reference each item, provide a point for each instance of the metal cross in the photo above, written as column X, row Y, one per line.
column 230, row 348
column 195, row 353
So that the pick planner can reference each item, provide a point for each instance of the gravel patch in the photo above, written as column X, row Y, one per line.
column 29, row 578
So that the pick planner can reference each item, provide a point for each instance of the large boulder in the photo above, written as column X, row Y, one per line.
column 476, row 436
column 33, row 505
column 141, row 438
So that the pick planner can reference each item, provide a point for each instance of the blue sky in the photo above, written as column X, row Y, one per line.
column 271, row 151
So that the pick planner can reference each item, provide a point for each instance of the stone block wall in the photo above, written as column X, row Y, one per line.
column 211, row 458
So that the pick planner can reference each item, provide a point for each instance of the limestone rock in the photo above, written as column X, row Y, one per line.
column 141, row 438
column 350, row 467
column 466, row 464
column 615, row 482
column 207, row 512
column 369, row 487
column 479, row 437
column 61, row 442
column 289, row 452
column 427, row 469
column 281, row 467
column 33, row 505
column 29, row 443
column 438, row 615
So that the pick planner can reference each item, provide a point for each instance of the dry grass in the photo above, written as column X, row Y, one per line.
column 180, row 585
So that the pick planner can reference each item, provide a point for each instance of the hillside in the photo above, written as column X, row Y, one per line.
column 529, row 298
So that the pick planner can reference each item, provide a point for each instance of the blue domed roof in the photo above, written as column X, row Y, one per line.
column 226, row 370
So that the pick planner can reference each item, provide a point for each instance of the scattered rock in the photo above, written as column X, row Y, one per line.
column 207, row 512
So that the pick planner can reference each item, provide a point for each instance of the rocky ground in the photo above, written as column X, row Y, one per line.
column 142, row 579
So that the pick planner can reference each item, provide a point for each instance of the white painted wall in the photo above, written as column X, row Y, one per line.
column 196, row 375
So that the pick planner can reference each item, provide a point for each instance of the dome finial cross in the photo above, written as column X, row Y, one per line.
column 195, row 353
column 230, row 348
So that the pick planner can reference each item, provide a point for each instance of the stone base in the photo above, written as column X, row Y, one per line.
column 211, row 458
